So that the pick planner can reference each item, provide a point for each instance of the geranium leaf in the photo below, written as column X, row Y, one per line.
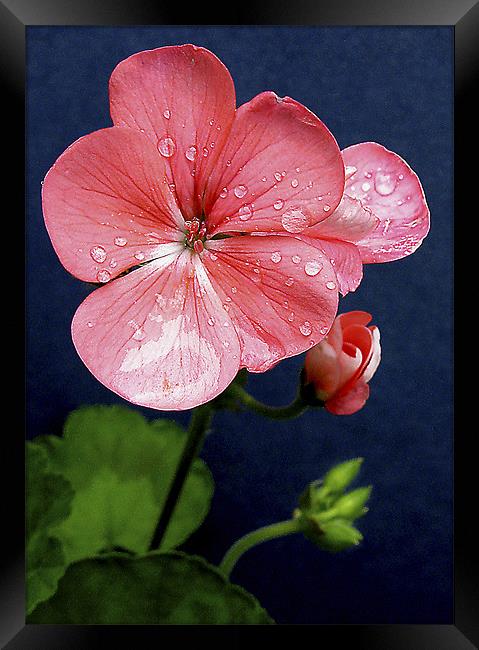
column 49, row 497
column 121, row 466
column 158, row 588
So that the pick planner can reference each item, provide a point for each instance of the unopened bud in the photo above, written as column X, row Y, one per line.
column 339, row 477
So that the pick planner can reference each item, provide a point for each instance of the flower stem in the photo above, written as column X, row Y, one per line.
column 199, row 423
column 297, row 407
column 258, row 536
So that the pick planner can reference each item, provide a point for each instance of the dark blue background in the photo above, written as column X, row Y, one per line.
column 391, row 85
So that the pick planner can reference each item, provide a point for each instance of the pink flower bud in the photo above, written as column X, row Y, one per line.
column 341, row 365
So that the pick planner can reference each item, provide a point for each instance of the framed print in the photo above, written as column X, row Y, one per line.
column 239, row 326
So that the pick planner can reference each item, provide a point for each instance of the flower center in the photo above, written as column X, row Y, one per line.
column 195, row 234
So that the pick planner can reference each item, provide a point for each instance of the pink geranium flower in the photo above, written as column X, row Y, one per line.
column 235, row 224
column 341, row 365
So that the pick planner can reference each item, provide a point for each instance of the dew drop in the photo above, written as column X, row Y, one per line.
column 278, row 176
column 166, row 114
column 213, row 257
column 296, row 259
column 277, row 205
column 305, row 328
column 103, row 276
column 211, row 320
column 113, row 263
column 385, row 184
column 234, row 290
column 240, row 191
column 139, row 335
column 190, row 153
column 326, row 208
column 330, row 285
column 324, row 330
column 291, row 317
column 224, row 193
column 205, row 152
column 276, row 257
column 312, row 268
column 365, row 187
column 245, row 213
column 139, row 256
column 167, row 147
column 294, row 182
column 120, row 241
column 294, row 220
column 89, row 324
column 289, row 282
column 98, row 253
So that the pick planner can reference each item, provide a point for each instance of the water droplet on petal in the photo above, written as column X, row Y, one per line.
column 291, row 317
column 305, row 328
column 245, row 212
column 89, row 324
column 326, row 208
column 294, row 182
column 103, row 276
column 167, row 147
column 139, row 256
column 330, row 285
column 277, row 205
column 166, row 114
column 98, row 253
column 278, row 176
column 139, row 334
column 365, row 187
column 213, row 257
column 289, row 282
column 190, row 153
column 296, row 259
column 385, row 184
column 120, row 241
column 312, row 268
column 276, row 257
column 294, row 220
column 224, row 193
column 211, row 320
column 234, row 290
column 240, row 191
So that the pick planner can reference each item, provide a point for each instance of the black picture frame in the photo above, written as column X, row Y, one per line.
column 15, row 17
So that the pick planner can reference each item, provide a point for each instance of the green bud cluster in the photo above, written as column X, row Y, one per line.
column 327, row 511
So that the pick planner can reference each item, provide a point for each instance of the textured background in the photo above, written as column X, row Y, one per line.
column 391, row 85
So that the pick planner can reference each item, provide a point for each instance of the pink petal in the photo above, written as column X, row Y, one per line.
column 351, row 221
column 350, row 402
column 183, row 97
column 107, row 206
column 353, row 318
column 280, row 171
column 345, row 259
column 375, row 356
column 322, row 368
column 159, row 336
column 350, row 361
column 386, row 184
column 281, row 297
column 360, row 337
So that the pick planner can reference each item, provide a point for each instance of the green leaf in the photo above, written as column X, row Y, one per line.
column 159, row 588
column 49, row 499
column 121, row 467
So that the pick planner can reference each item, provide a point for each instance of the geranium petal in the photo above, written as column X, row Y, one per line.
column 386, row 184
column 280, row 171
column 375, row 356
column 157, row 337
column 322, row 368
column 354, row 318
column 345, row 259
column 350, row 402
column 279, row 292
column 361, row 338
column 350, row 361
column 351, row 221
column 107, row 205
column 183, row 97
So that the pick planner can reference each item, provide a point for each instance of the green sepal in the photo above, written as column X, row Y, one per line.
column 340, row 476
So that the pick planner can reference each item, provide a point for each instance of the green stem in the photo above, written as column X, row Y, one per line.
column 199, row 423
column 258, row 536
column 297, row 407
